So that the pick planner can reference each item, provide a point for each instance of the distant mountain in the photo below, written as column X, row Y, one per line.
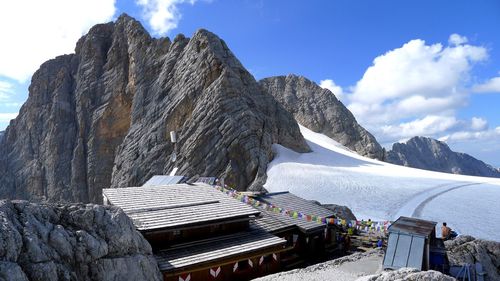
column 2, row 133
column 320, row 111
column 430, row 154
column 101, row 117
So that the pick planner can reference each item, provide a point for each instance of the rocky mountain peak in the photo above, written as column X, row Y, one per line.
column 319, row 110
column 101, row 117
column 431, row 154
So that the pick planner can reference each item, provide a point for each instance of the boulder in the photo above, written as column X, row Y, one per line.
column 71, row 242
column 468, row 250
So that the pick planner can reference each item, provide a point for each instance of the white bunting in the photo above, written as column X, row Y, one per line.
column 215, row 272
column 275, row 257
column 250, row 262
column 187, row 278
column 261, row 260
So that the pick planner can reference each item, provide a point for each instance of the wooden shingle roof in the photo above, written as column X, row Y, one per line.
column 177, row 206
column 276, row 222
column 290, row 201
column 235, row 246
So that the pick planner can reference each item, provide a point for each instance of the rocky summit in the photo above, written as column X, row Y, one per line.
column 71, row 242
column 101, row 117
column 320, row 111
column 430, row 154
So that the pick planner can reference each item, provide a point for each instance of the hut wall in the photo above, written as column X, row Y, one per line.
column 163, row 239
column 227, row 272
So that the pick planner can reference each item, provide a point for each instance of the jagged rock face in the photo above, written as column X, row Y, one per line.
column 430, row 154
column 71, row 242
column 340, row 211
column 467, row 249
column 320, row 111
column 408, row 274
column 100, row 117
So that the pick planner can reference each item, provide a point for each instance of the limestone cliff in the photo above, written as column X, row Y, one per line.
column 320, row 111
column 100, row 117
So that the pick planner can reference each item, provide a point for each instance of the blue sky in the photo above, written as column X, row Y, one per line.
column 403, row 68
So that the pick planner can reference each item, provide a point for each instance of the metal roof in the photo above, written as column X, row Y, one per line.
column 275, row 222
column 210, row 250
column 164, row 180
column 290, row 201
column 207, row 180
column 413, row 226
column 176, row 206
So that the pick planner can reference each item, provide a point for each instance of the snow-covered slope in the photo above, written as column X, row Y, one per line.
column 383, row 191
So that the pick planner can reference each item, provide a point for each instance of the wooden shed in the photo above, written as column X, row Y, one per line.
column 409, row 244
column 199, row 233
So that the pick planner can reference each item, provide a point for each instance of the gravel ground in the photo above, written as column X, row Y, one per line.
column 347, row 268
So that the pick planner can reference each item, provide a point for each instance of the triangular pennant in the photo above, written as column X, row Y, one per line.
column 185, row 278
column 275, row 257
column 250, row 263
column 261, row 260
column 235, row 267
column 215, row 271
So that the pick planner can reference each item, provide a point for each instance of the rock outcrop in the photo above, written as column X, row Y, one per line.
column 101, row 117
column 430, row 154
column 468, row 250
column 71, row 242
column 320, row 111
column 345, row 268
column 342, row 212
column 408, row 274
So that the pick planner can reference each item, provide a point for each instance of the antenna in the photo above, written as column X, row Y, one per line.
column 173, row 137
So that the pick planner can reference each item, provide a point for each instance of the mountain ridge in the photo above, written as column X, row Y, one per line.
column 319, row 110
column 431, row 154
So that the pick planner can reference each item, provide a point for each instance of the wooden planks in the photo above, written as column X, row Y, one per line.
column 290, row 201
column 274, row 222
column 217, row 249
column 160, row 207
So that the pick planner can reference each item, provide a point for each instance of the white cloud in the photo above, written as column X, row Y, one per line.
column 6, row 91
column 478, row 124
column 35, row 31
column 6, row 117
column 334, row 88
column 426, row 126
column 162, row 15
column 469, row 136
column 456, row 39
column 422, row 84
column 490, row 86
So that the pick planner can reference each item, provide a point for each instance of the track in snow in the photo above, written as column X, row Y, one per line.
column 382, row 191
column 417, row 213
